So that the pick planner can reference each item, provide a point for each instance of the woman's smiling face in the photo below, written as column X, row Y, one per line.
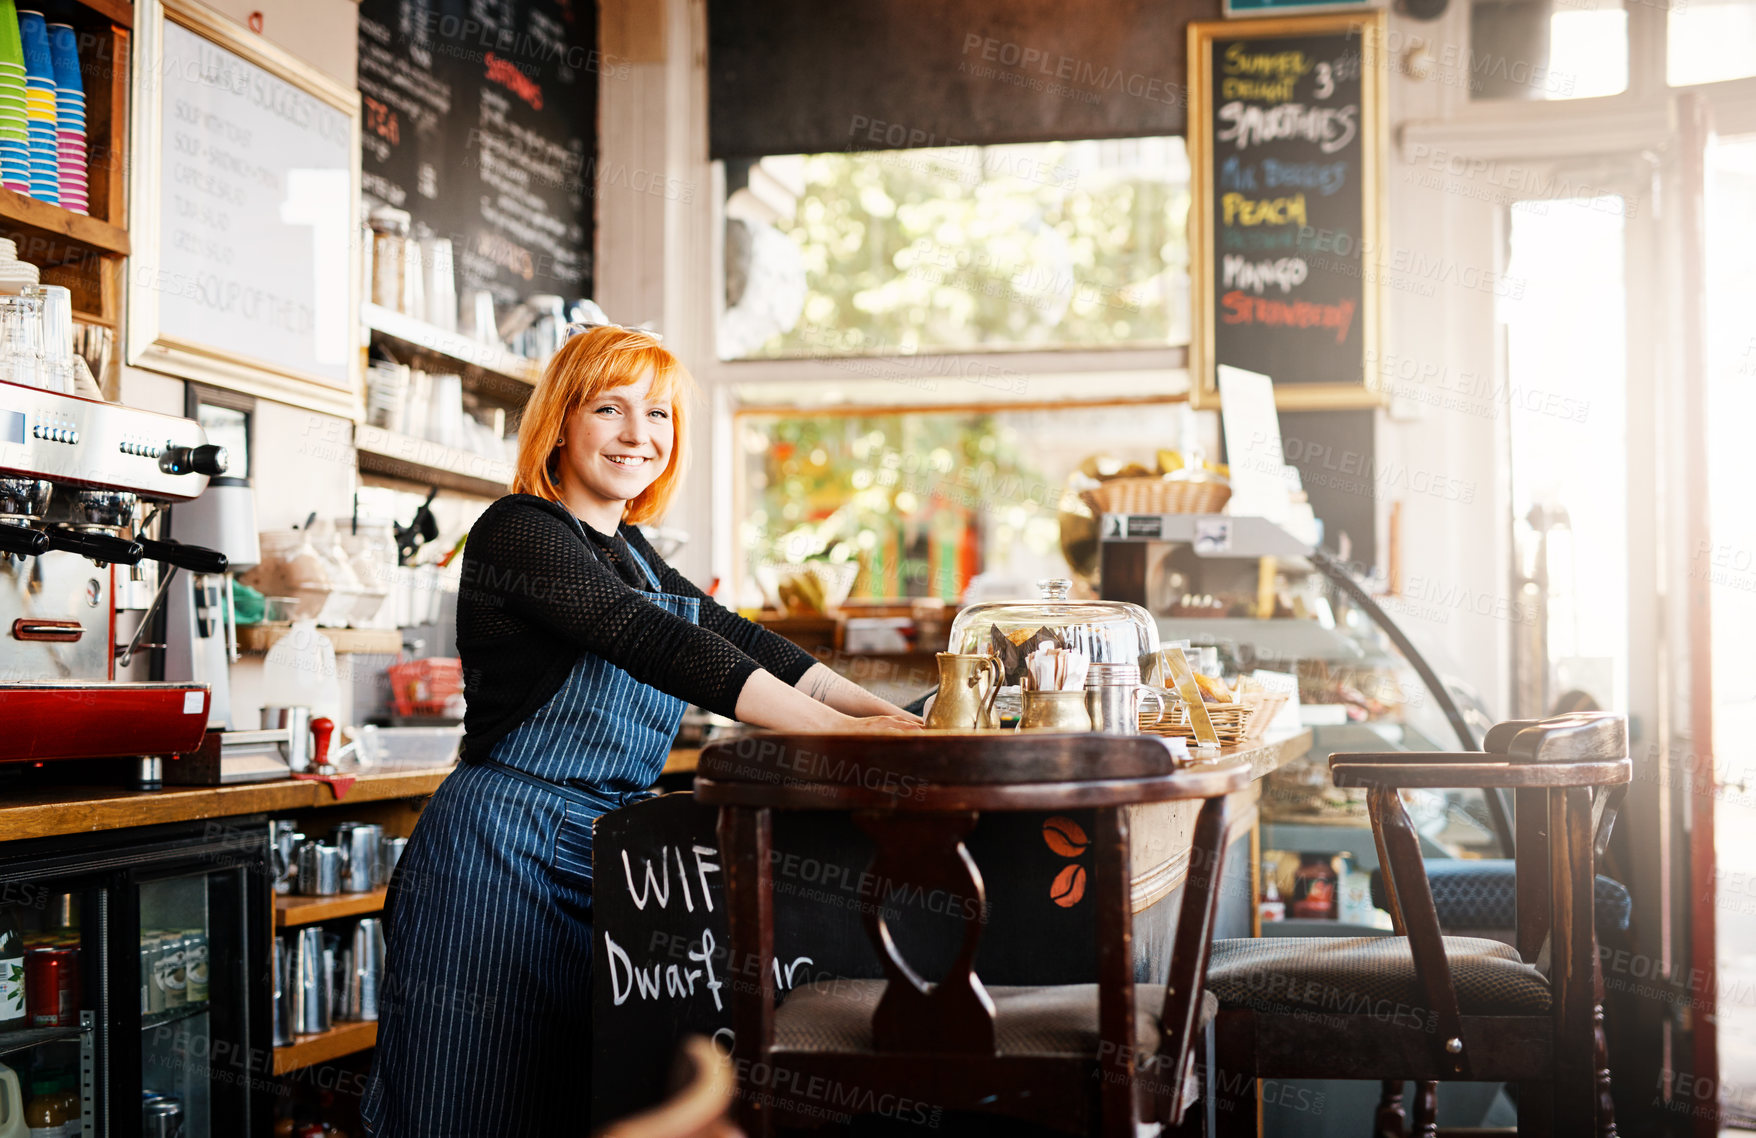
column 613, row 447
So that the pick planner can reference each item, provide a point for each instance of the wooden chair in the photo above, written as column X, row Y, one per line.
column 1081, row 1058
column 1430, row 1008
column 699, row 1108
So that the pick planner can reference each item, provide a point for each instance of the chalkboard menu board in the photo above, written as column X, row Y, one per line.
column 1286, row 125
column 479, row 118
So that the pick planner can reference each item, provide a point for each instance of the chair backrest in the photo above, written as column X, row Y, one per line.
column 918, row 797
column 1560, row 738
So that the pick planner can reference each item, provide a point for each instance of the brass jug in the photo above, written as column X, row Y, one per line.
column 968, row 684
column 1054, row 711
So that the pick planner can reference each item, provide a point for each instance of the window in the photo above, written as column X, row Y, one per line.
column 923, row 500
column 1528, row 49
column 1710, row 41
column 958, row 249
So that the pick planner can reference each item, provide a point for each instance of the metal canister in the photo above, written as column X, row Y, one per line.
column 284, row 839
column 52, row 986
column 162, row 1117
column 195, row 964
column 366, row 969
column 311, row 983
column 152, row 973
column 319, row 869
column 173, row 964
column 283, row 992
column 389, row 853
column 1112, row 698
column 358, row 842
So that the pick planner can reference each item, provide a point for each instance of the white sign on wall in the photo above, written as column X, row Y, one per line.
column 244, row 262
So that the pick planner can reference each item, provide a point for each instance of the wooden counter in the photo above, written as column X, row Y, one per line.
column 80, row 810
column 1159, row 833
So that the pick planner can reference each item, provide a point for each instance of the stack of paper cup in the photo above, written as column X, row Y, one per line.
column 14, row 139
column 69, row 117
column 39, row 104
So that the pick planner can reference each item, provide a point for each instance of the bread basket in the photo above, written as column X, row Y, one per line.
column 1155, row 495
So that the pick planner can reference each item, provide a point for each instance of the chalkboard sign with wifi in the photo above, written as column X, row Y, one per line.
column 1285, row 126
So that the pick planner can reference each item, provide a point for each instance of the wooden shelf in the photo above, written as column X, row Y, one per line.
column 488, row 369
column 52, row 222
column 118, row 12
column 430, row 464
column 347, row 641
column 292, row 910
column 310, row 1050
column 51, row 811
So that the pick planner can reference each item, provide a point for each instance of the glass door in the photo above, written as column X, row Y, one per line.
column 175, row 933
column 1566, row 374
column 1726, row 568
column 53, row 1010
column 1592, row 424
column 202, row 970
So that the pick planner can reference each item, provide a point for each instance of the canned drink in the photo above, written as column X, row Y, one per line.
column 174, row 966
column 152, row 972
column 52, row 986
column 195, row 965
column 162, row 1117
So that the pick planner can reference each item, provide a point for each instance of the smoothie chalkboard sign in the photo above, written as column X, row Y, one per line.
column 1286, row 124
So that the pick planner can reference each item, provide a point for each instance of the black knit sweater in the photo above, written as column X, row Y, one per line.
column 538, row 587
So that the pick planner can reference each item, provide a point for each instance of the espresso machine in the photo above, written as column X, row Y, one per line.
column 75, row 475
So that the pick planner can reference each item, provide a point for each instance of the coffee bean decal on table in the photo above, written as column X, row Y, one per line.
column 1067, row 838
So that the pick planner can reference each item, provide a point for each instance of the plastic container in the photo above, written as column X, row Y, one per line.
column 430, row 686
column 409, row 748
column 371, row 552
column 291, row 566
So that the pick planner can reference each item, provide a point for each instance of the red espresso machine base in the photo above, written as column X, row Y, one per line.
column 92, row 721
column 73, row 476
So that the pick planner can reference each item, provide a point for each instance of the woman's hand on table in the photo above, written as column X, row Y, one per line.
column 883, row 724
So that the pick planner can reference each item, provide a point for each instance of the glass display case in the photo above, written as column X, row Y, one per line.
column 1284, row 613
column 146, row 998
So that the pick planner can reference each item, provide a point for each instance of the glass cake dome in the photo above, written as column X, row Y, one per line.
column 1111, row 632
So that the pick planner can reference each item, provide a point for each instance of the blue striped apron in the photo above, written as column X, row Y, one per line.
column 485, row 1016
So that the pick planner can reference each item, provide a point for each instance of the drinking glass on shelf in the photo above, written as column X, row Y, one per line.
column 21, row 341
column 56, row 330
column 440, row 282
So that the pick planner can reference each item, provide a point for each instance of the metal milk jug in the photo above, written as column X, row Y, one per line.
column 968, row 683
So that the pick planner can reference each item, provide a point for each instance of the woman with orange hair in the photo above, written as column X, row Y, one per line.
column 580, row 649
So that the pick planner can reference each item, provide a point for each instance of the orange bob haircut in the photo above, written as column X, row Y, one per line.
column 588, row 364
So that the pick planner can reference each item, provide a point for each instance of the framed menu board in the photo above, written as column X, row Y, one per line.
column 1286, row 131
column 480, row 120
column 244, row 213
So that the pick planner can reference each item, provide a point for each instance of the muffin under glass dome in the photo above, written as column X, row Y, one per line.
column 1111, row 632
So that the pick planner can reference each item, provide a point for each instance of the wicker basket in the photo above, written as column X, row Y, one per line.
column 1231, row 721
column 1157, row 496
column 1264, row 706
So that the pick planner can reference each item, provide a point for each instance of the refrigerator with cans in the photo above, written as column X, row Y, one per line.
column 140, row 959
